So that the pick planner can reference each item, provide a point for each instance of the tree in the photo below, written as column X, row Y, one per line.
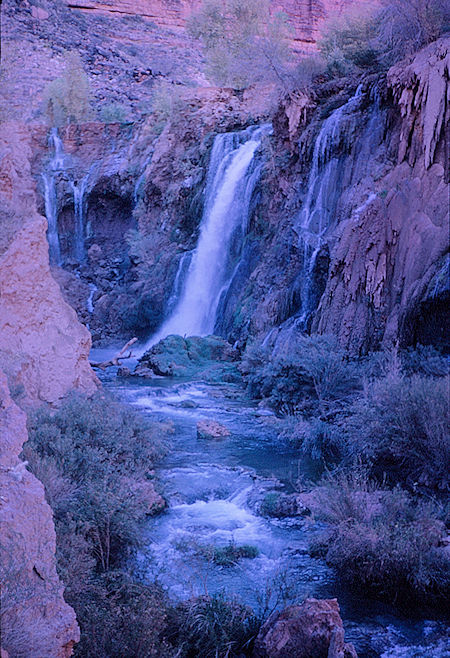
column 404, row 26
column 243, row 42
column 66, row 99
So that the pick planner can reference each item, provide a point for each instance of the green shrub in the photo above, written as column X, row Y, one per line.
column 397, row 28
column 382, row 540
column 227, row 556
column 66, row 99
column 113, row 113
column 100, row 453
column 404, row 26
column 315, row 376
column 166, row 102
column 244, row 43
column 400, row 426
column 213, row 627
column 320, row 440
column 347, row 40
column 121, row 617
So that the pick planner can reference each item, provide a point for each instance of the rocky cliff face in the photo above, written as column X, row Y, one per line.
column 125, row 47
column 43, row 355
column 380, row 191
column 35, row 619
column 43, row 349
column 305, row 17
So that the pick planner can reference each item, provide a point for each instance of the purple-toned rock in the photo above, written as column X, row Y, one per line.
column 313, row 629
column 211, row 430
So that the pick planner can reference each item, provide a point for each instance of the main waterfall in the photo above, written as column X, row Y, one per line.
column 231, row 180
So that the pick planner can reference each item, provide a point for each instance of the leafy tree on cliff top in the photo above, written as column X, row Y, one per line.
column 66, row 99
column 243, row 42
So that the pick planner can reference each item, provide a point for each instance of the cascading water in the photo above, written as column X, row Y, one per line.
column 56, row 165
column 180, row 280
column 79, row 202
column 61, row 164
column 319, row 208
column 231, row 181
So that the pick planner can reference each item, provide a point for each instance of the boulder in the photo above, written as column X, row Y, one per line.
column 313, row 629
column 210, row 358
column 211, row 430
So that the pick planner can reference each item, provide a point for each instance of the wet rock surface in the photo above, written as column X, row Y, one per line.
column 43, row 349
column 211, row 358
column 211, row 430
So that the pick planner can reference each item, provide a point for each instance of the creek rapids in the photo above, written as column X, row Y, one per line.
column 213, row 489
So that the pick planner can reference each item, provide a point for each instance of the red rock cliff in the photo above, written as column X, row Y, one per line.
column 43, row 355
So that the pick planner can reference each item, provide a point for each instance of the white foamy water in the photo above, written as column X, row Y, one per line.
column 228, row 193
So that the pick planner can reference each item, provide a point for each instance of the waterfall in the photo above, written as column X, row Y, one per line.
column 79, row 203
column 180, row 280
column 230, row 183
column 56, row 165
column 323, row 190
column 61, row 163
column 51, row 212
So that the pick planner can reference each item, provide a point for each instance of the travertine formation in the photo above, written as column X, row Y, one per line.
column 388, row 263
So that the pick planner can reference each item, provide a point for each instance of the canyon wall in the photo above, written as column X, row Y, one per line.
column 381, row 189
column 43, row 349
column 305, row 16
column 125, row 47
column 35, row 620
column 43, row 355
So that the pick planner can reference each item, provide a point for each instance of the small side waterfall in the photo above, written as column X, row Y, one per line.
column 56, row 165
column 230, row 183
column 319, row 209
column 79, row 202
column 61, row 164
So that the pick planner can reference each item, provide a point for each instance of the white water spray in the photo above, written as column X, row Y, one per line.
column 226, row 211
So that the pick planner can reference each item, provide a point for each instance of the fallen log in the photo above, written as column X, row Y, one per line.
column 117, row 358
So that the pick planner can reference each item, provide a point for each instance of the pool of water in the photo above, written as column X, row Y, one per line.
column 213, row 489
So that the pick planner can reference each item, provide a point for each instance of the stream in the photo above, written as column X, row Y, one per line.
column 213, row 489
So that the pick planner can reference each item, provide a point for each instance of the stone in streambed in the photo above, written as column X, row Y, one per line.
column 211, row 430
column 311, row 630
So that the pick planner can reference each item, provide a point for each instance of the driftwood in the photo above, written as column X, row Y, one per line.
column 116, row 360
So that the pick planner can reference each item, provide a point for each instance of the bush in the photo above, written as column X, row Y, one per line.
column 121, row 617
column 66, row 99
column 113, row 113
column 400, row 427
column 95, row 457
column 347, row 41
column 320, row 441
column 213, row 627
column 382, row 539
column 100, row 453
column 166, row 101
column 357, row 40
column 315, row 376
column 404, row 26
column 227, row 556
